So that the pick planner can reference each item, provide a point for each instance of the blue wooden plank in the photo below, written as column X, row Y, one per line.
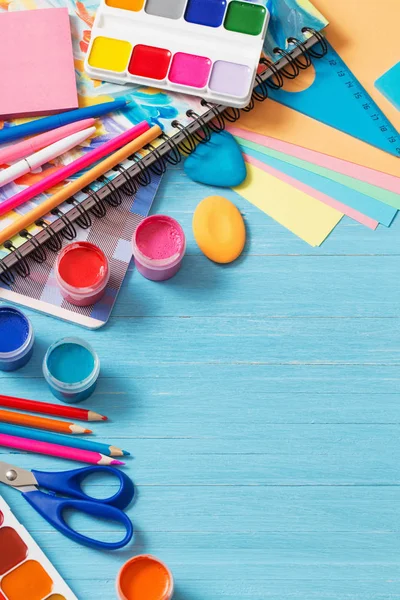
column 260, row 402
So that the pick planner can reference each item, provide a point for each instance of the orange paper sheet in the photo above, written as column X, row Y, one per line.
column 366, row 35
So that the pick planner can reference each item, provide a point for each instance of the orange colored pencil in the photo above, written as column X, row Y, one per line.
column 7, row 416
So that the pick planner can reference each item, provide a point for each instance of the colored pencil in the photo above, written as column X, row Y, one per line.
column 63, row 440
column 93, row 458
column 16, row 151
column 48, row 408
column 75, row 186
column 77, row 165
column 45, row 124
column 7, row 416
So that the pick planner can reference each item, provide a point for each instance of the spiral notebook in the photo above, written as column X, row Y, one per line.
column 26, row 261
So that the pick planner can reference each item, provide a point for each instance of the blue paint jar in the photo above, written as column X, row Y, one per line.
column 71, row 368
column 16, row 339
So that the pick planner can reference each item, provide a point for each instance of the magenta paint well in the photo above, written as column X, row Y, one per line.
column 190, row 70
column 159, row 245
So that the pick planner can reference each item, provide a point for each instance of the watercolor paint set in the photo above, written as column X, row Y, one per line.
column 207, row 48
column 25, row 571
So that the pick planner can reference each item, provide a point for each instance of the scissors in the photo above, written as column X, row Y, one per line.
column 68, row 483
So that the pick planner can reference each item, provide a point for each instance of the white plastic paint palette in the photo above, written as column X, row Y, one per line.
column 25, row 572
column 208, row 48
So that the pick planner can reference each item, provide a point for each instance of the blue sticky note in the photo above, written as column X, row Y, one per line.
column 389, row 85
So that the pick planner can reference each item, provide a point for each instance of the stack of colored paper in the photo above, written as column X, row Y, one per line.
column 331, row 137
column 309, row 192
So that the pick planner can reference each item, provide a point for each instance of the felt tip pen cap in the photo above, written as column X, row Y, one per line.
column 22, row 149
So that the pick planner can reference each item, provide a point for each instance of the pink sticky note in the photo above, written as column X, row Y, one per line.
column 37, row 74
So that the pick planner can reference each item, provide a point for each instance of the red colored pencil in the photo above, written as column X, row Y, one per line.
column 46, row 408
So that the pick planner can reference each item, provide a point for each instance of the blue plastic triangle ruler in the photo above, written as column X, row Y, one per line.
column 338, row 99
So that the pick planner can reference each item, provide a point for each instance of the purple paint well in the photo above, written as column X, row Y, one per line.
column 230, row 78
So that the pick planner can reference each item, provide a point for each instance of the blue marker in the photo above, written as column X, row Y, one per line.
column 39, row 126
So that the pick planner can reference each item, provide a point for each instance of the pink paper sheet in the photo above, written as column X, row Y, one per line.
column 350, row 212
column 382, row 180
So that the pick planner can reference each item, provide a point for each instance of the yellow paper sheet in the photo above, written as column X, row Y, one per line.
column 305, row 216
column 366, row 35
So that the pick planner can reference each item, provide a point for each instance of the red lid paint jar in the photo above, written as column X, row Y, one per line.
column 159, row 245
column 82, row 273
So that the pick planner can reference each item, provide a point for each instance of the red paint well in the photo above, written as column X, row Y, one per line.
column 12, row 549
column 83, row 266
column 150, row 62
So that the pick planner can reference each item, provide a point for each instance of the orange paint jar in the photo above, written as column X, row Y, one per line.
column 145, row 577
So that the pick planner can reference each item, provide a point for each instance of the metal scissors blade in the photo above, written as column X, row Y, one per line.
column 16, row 477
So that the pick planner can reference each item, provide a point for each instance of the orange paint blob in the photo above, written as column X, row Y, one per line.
column 145, row 577
column 29, row 580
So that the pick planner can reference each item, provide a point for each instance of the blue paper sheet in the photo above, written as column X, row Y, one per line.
column 383, row 213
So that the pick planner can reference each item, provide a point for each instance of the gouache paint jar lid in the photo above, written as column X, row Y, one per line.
column 71, row 368
column 16, row 339
column 82, row 273
column 145, row 577
column 158, row 245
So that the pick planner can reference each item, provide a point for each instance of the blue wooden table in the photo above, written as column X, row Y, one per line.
column 260, row 401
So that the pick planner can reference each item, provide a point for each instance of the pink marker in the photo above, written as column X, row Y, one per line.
column 77, row 165
column 87, row 456
column 16, row 151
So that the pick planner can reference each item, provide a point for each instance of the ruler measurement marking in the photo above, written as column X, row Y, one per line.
column 363, row 98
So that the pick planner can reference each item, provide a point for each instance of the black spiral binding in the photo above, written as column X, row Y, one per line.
column 22, row 266
column 170, row 151
column 54, row 240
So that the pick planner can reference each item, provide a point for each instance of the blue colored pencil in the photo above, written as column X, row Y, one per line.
column 17, row 132
column 64, row 440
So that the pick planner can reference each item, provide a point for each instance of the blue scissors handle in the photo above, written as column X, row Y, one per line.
column 69, row 483
column 51, row 508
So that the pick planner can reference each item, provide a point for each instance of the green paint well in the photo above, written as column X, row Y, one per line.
column 245, row 17
column 70, row 363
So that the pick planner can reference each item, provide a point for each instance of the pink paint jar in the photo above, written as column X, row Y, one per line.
column 82, row 273
column 159, row 245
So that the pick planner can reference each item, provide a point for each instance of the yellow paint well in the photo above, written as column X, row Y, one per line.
column 110, row 54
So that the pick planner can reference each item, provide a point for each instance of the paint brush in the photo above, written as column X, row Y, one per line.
column 48, row 408
column 64, row 440
column 93, row 458
column 14, row 418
